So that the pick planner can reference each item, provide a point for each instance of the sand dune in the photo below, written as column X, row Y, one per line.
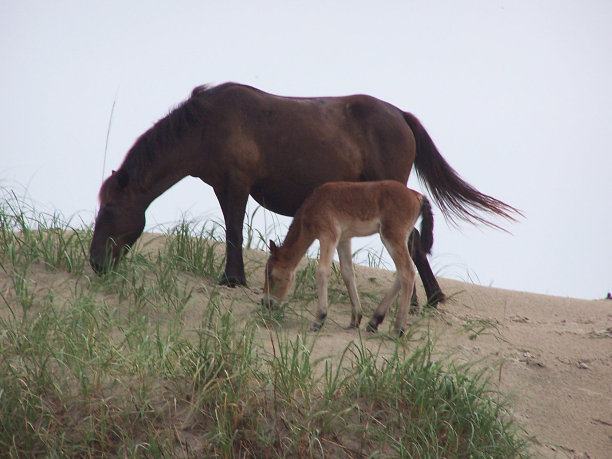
column 551, row 356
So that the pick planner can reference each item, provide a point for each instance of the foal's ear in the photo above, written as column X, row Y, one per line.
column 272, row 247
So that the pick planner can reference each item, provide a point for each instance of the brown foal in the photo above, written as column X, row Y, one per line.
column 336, row 212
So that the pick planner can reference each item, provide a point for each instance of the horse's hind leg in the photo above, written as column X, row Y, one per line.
column 346, row 269
column 414, row 301
column 395, row 242
column 381, row 310
column 432, row 288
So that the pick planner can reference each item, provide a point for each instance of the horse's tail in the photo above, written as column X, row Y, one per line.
column 427, row 224
column 455, row 197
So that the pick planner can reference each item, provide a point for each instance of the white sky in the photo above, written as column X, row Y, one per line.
column 516, row 95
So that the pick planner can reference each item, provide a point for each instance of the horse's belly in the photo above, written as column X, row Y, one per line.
column 360, row 228
column 280, row 198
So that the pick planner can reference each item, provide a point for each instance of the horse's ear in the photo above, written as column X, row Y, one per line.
column 122, row 178
column 272, row 247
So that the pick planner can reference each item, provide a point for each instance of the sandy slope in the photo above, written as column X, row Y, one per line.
column 551, row 356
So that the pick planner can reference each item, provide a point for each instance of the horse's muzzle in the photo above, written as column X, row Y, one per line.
column 99, row 268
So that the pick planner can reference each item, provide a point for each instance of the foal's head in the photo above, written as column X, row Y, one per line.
column 278, row 279
column 120, row 221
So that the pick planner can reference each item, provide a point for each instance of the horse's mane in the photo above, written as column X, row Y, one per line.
column 166, row 133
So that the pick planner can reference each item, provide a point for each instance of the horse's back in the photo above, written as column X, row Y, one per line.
column 359, row 116
column 363, row 201
column 284, row 147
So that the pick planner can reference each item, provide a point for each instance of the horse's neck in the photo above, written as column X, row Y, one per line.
column 160, row 175
column 296, row 244
column 162, row 184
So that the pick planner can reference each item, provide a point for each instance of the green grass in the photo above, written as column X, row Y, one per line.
column 155, row 360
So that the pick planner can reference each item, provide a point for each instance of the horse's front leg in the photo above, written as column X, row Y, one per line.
column 346, row 269
column 232, row 199
column 323, row 272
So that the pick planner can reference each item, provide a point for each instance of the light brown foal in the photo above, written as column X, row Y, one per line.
column 336, row 212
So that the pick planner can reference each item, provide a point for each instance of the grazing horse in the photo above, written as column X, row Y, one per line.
column 242, row 141
column 333, row 214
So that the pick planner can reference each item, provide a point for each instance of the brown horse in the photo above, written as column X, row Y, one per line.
column 336, row 212
column 243, row 141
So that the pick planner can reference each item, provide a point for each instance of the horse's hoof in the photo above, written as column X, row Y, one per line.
column 316, row 326
column 436, row 298
column 232, row 281
column 371, row 328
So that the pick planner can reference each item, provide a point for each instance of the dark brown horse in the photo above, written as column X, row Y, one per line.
column 242, row 141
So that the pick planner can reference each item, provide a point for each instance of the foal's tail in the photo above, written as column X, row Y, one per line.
column 427, row 225
column 455, row 197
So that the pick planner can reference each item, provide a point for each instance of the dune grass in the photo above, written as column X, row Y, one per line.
column 153, row 360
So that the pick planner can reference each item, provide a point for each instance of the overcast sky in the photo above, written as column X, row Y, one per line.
column 516, row 95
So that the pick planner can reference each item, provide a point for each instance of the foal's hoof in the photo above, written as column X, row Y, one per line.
column 371, row 327
column 355, row 322
column 270, row 303
column 316, row 326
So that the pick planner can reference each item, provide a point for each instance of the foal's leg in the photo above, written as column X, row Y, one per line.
column 326, row 256
column 346, row 269
column 381, row 310
column 395, row 243
column 407, row 274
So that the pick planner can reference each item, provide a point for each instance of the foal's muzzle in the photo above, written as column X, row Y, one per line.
column 269, row 302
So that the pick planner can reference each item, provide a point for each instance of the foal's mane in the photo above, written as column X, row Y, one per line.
column 166, row 133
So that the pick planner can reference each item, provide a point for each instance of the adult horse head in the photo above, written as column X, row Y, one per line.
column 119, row 223
column 243, row 141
